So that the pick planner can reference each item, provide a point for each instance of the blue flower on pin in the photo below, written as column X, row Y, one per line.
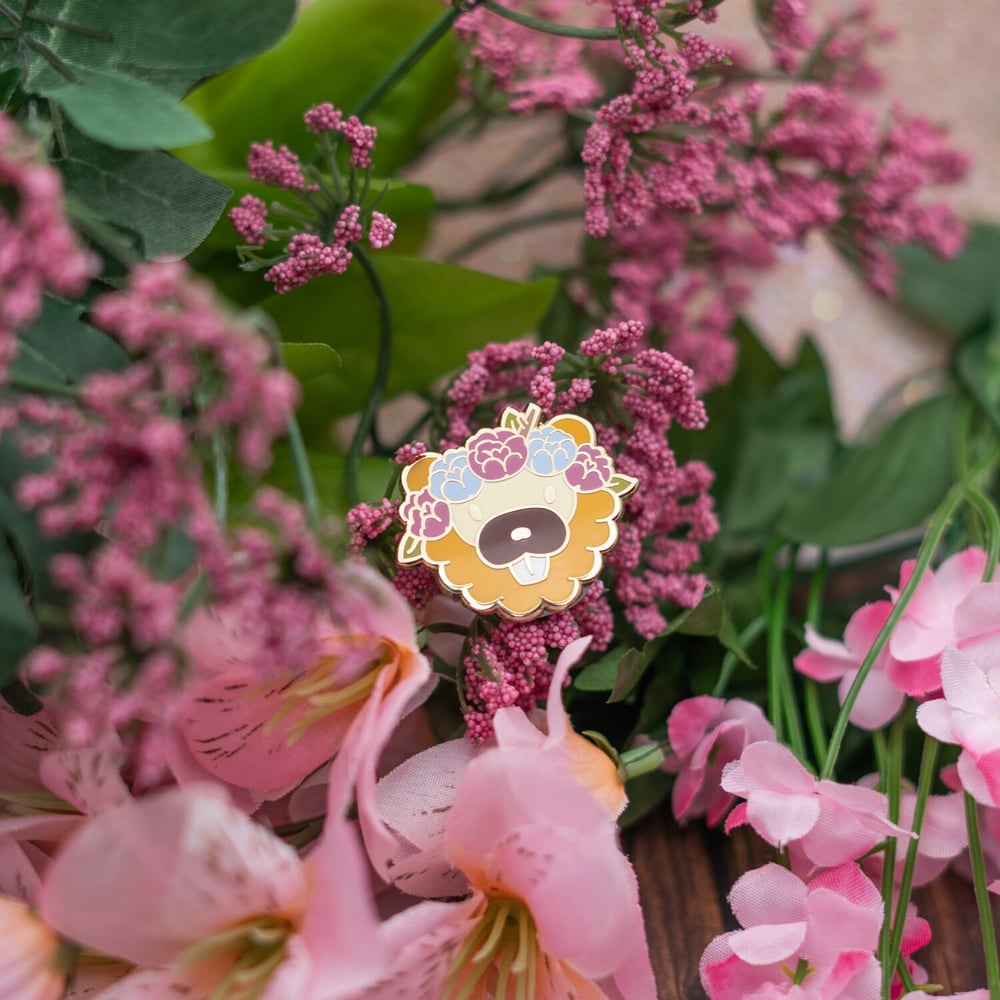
column 550, row 451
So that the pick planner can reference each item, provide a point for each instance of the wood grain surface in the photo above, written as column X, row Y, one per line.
column 685, row 875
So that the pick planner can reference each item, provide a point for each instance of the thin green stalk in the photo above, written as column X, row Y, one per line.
column 891, row 779
column 927, row 761
column 991, row 522
column 814, row 722
column 37, row 385
column 730, row 661
column 514, row 225
column 765, row 581
column 421, row 47
column 777, row 661
column 982, row 898
column 549, row 27
column 221, row 464
column 382, row 366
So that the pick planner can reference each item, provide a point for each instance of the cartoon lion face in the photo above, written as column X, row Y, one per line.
column 516, row 521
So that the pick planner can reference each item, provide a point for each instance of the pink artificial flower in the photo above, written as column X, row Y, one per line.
column 969, row 715
column 554, row 910
column 831, row 823
column 31, row 964
column 826, row 660
column 266, row 736
column 815, row 940
column 705, row 734
column 496, row 454
column 185, row 886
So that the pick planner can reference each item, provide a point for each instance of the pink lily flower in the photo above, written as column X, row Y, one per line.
column 553, row 910
column 969, row 715
column 705, row 734
column 266, row 737
column 196, row 894
column 812, row 940
column 31, row 964
column 826, row 660
column 831, row 823
column 404, row 823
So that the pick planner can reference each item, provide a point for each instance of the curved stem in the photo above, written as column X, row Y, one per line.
column 730, row 661
column 991, row 521
column 421, row 47
column 483, row 239
column 777, row 662
column 42, row 387
column 982, row 897
column 549, row 27
column 382, row 366
column 892, row 775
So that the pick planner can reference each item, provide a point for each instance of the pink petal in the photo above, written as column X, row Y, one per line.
column 768, row 943
column 738, row 817
column 864, row 626
column 24, row 740
column 689, row 720
column 768, row 895
column 912, row 641
column 917, row 678
column 558, row 720
column 878, row 702
column 773, row 766
column 854, row 976
column 979, row 613
column 837, row 925
column 823, row 668
column 150, row 878
column 89, row 779
column 974, row 780
column 959, row 574
column 780, row 817
column 965, row 685
column 934, row 718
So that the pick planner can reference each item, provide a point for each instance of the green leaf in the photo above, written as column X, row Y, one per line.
column 976, row 365
column 953, row 296
column 440, row 312
column 336, row 51
column 600, row 675
column 59, row 346
column 306, row 361
column 18, row 631
column 125, row 112
column 886, row 487
column 172, row 44
column 168, row 206
column 645, row 794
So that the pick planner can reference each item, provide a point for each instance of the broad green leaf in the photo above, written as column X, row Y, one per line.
column 126, row 113
column 60, row 347
column 168, row 206
column 336, row 51
column 976, row 364
column 306, row 361
column 440, row 312
column 600, row 675
column 953, row 296
column 878, row 489
column 18, row 631
column 645, row 794
column 171, row 44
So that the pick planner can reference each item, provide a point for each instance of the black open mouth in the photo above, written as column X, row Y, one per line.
column 508, row 537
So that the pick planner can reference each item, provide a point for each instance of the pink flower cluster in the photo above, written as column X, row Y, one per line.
column 324, row 206
column 40, row 251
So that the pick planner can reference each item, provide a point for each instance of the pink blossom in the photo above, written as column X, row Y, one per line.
column 591, row 469
column 831, row 823
column 279, row 167
column 705, row 734
column 425, row 515
column 381, row 231
column 163, row 882
column 496, row 454
column 825, row 660
column 249, row 219
column 969, row 715
column 823, row 933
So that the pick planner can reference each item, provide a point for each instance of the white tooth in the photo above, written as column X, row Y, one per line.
column 530, row 569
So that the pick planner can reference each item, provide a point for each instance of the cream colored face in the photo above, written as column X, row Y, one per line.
column 522, row 490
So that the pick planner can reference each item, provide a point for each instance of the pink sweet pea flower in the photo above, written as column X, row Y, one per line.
column 969, row 716
column 187, row 886
column 827, row 660
column 554, row 909
column 831, row 823
column 705, row 734
column 31, row 966
column 266, row 737
column 815, row 940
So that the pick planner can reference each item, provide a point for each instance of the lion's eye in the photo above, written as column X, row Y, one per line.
column 550, row 494
column 475, row 513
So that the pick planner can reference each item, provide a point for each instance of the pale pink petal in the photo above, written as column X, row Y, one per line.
column 514, row 730
column 838, row 837
column 974, row 780
column 912, row 641
column 854, row 976
column 878, row 702
column 944, row 833
column 773, row 766
column 148, row 879
column 558, row 720
column 959, row 574
column 18, row 877
column 934, row 718
column 768, row 895
column 979, row 612
column 965, row 685
column 89, row 779
column 822, row 667
column 766, row 944
column 780, row 817
column 864, row 626
column 837, row 925
column 925, row 605
column 689, row 720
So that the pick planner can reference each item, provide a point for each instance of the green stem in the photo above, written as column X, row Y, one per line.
column 514, row 225
column 730, row 661
column 891, row 779
column 421, row 47
column 982, row 898
column 814, row 722
column 221, row 464
column 382, row 366
column 991, row 521
column 765, row 581
column 549, row 27
column 40, row 386
column 777, row 661
column 927, row 762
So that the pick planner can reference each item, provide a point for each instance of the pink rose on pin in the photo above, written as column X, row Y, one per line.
column 427, row 516
column 592, row 469
column 496, row 454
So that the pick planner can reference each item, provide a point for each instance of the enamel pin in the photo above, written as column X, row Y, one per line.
column 516, row 521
